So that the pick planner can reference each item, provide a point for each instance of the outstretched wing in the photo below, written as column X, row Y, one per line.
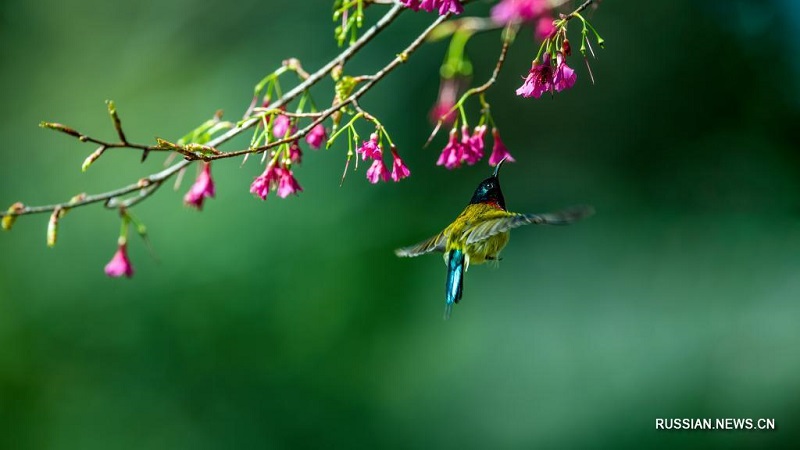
column 434, row 244
column 491, row 227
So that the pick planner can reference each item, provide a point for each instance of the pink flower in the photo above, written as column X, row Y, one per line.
column 370, row 149
column 281, row 126
column 443, row 6
column 539, row 80
column 499, row 150
column 448, row 93
column 377, row 171
column 412, row 4
column 265, row 182
column 316, row 136
column 399, row 170
column 565, row 77
column 429, row 5
column 287, row 184
column 453, row 6
column 518, row 10
column 544, row 28
column 120, row 264
column 279, row 179
column 473, row 148
column 295, row 154
column 441, row 110
column 466, row 151
column 203, row 187
column 452, row 152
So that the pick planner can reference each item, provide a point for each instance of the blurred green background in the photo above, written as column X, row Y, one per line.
column 291, row 324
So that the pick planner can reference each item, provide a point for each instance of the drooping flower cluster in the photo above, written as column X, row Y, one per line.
column 470, row 148
column 371, row 149
column 277, row 177
column 442, row 6
column 545, row 76
column 202, row 188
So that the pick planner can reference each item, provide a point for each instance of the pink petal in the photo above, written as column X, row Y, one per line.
column 119, row 265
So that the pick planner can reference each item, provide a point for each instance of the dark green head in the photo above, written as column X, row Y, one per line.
column 489, row 190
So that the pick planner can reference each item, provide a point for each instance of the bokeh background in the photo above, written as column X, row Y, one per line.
column 291, row 324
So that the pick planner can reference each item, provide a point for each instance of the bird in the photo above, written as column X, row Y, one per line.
column 481, row 232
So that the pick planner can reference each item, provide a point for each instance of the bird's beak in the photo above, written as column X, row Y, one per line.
column 497, row 167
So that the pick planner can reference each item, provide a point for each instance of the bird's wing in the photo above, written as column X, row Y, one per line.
column 491, row 227
column 434, row 244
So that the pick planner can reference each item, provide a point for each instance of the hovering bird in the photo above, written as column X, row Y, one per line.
column 480, row 232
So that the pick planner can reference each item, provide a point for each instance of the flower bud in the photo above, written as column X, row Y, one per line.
column 120, row 265
column 566, row 48
column 93, row 157
column 77, row 199
column 62, row 128
column 13, row 210
column 336, row 72
column 52, row 226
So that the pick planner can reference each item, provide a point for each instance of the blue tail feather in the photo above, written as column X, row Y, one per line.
column 455, row 279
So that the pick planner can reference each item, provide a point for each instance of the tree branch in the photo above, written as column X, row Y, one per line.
column 159, row 177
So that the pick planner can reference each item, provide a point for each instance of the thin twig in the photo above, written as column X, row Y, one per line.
column 580, row 9
column 493, row 79
column 287, row 113
column 85, row 138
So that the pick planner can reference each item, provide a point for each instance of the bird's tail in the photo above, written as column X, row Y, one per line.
column 455, row 280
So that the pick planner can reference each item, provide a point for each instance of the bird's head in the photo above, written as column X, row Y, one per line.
column 489, row 190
